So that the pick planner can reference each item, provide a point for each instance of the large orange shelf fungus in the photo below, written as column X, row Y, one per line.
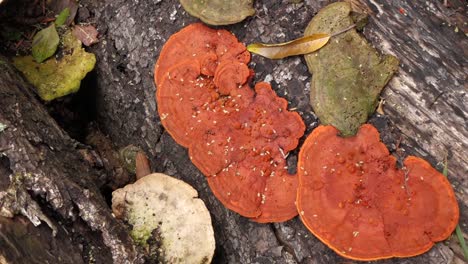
column 238, row 137
column 353, row 198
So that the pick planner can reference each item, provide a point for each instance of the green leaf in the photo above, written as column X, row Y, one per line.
column 461, row 239
column 62, row 17
column 458, row 230
column 45, row 43
column 298, row 46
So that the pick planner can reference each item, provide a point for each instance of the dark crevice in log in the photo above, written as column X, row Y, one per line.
column 45, row 163
column 286, row 246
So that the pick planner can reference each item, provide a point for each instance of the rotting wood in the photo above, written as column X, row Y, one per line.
column 426, row 103
column 127, row 66
column 44, row 177
column 135, row 32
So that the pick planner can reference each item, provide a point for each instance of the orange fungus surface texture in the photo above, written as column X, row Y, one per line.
column 353, row 197
column 237, row 136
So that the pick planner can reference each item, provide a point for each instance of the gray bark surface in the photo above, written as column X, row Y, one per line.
column 425, row 103
column 426, row 107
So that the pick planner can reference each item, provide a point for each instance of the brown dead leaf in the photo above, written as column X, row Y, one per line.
column 86, row 34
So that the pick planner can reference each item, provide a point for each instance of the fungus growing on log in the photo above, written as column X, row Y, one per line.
column 198, row 42
column 353, row 198
column 244, row 158
column 160, row 205
column 237, row 137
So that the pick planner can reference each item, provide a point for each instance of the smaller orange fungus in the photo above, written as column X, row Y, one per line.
column 353, row 198
column 203, row 44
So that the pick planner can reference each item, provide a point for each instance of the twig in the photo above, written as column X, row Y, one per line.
column 436, row 98
column 343, row 31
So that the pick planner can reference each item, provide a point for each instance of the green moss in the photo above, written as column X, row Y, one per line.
column 348, row 73
column 55, row 78
column 140, row 236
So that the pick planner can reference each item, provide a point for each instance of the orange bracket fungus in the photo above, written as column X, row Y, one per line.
column 353, row 198
column 238, row 137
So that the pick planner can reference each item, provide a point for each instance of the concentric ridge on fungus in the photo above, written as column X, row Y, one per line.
column 238, row 137
column 353, row 198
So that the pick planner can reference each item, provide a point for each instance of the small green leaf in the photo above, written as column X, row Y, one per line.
column 445, row 170
column 298, row 46
column 62, row 17
column 458, row 230
column 45, row 43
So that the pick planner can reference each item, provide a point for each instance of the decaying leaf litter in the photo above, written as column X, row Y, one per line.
column 350, row 127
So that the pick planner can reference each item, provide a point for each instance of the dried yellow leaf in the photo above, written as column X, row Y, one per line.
column 300, row 46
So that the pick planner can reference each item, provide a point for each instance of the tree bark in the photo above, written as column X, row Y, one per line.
column 425, row 115
column 46, row 179
column 425, row 103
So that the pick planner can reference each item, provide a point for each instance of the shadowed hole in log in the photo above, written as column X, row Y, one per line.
column 106, row 191
column 74, row 113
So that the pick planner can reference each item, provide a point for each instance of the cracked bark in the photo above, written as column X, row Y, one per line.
column 425, row 106
column 46, row 179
